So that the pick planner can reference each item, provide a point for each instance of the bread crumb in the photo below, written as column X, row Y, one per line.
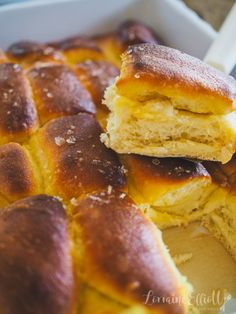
column 74, row 201
column 134, row 285
column 71, row 140
column 49, row 95
column 59, row 141
column 122, row 196
column 109, row 189
column 182, row 258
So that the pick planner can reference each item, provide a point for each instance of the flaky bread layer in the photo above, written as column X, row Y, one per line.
column 169, row 211
column 149, row 70
column 172, row 191
column 185, row 200
column 156, row 128
column 222, row 223
column 203, row 207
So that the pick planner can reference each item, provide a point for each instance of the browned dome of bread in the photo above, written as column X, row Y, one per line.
column 18, row 116
column 73, row 159
column 76, row 42
column 150, row 71
column 58, row 92
column 123, row 254
column 28, row 52
column 36, row 273
column 166, row 170
column 17, row 178
column 96, row 77
column 79, row 48
column 134, row 32
column 130, row 32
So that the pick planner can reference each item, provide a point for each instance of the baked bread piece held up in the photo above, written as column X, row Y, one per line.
column 36, row 273
column 168, row 104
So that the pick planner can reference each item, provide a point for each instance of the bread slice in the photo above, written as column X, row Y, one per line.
column 168, row 104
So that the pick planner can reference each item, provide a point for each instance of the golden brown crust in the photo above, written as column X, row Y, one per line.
column 96, row 77
column 155, row 70
column 223, row 175
column 111, row 47
column 123, row 254
column 164, row 169
column 18, row 117
column 128, row 33
column 76, row 42
column 79, row 48
column 35, row 264
column 28, row 52
column 78, row 162
column 17, row 179
column 58, row 92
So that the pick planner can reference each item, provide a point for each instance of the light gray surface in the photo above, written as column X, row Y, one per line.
column 213, row 11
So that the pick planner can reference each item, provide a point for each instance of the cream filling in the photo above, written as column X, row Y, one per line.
column 156, row 128
column 158, row 121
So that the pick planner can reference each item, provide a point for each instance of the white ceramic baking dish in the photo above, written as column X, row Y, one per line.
column 54, row 19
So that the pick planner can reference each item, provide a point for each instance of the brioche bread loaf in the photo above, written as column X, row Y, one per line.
column 50, row 95
column 168, row 104
column 77, row 243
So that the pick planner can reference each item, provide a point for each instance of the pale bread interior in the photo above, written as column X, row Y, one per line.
column 156, row 128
